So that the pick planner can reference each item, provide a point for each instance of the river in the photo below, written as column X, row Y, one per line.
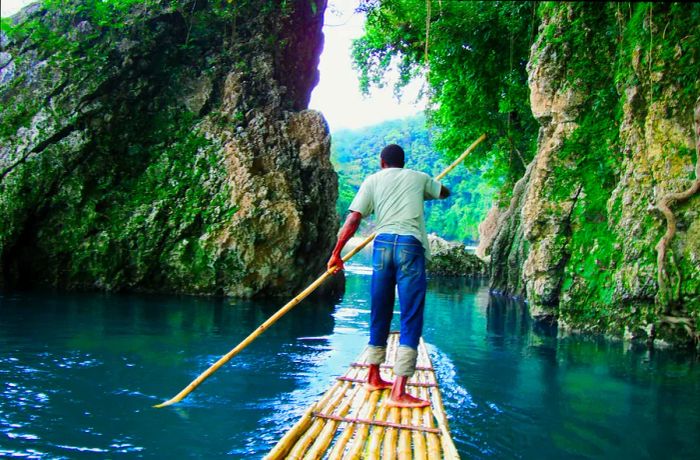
column 80, row 372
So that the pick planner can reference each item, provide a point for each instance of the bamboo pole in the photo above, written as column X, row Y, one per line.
column 341, row 443
column 461, row 157
column 389, row 447
column 419, row 441
column 264, row 326
column 319, row 424
column 433, row 442
column 324, row 424
column 319, row 447
column 375, row 438
column 292, row 303
column 290, row 439
column 362, row 431
column 309, row 436
column 287, row 442
column 404, row 450
column 419, row 449
column 448, row 447
column 437, row 412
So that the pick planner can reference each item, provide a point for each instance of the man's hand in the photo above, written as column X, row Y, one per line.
column 335, row 263
column 348, row 230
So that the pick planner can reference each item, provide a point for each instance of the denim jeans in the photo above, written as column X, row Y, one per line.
column 397, row 260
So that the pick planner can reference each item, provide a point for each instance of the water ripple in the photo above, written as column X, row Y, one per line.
column 29, row 453
column 25, row 436
column 96, row 450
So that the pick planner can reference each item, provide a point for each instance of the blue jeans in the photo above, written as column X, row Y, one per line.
column 397, row 260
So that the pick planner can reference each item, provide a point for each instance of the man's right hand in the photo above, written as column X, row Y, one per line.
column 348, row 230
column 335, row 263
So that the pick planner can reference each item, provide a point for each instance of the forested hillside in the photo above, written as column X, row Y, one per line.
column 355, row 155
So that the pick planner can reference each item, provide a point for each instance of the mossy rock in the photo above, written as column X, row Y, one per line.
column 456, row 261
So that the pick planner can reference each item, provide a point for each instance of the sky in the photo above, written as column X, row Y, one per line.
column 10, row 7
column 337, row 95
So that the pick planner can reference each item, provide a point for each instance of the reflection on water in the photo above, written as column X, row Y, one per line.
column 79, row 374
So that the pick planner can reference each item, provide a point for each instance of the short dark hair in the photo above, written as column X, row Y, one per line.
column 393, row 155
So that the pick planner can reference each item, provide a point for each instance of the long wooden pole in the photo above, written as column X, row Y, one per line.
column 292, row 303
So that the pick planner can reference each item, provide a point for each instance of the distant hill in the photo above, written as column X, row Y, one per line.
column 355, row 155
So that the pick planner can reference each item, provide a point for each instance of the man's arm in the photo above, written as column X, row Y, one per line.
column 444, row 192
column 348, row 230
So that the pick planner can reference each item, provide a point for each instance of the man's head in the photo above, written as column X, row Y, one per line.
column 392, row 156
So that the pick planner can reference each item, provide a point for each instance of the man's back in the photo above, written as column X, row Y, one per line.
column 396, row 196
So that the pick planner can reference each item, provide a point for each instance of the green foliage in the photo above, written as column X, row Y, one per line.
column 477, row 54
column 664, row 40
column 14, row 116
column 473, row 57
column 590, row 159
column 355, row 155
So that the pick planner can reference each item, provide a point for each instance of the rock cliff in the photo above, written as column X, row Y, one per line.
column 614, row 91
column 164, row 146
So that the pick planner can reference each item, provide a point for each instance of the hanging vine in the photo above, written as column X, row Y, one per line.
column 668, row 296
column 428, row 7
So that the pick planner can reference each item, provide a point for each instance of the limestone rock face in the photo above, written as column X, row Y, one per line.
column 172, row 153
column 610, row 283
column 488, row 229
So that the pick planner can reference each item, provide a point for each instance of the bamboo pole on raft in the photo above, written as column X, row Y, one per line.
column 294, row 302
column 389, row 447
column 292, row 437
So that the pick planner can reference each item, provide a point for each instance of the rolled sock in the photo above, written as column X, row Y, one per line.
column 376, row 355
column 405, row 361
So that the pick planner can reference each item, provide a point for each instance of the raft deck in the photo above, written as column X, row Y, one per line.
column 349, row 422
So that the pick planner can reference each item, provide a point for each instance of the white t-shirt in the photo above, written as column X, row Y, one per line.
column 396, row 196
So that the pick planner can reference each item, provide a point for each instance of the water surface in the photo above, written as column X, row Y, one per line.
column 80, row 372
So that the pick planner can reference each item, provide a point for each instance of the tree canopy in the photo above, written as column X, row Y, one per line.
column 473, row 56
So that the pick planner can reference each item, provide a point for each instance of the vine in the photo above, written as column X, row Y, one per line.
column 666, row 297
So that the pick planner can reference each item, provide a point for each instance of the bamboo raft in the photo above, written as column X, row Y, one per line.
column 349, row 422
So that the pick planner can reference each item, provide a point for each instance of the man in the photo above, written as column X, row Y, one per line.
column 396, row 195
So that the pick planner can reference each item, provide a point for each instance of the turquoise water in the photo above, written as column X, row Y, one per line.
column 80, row 372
